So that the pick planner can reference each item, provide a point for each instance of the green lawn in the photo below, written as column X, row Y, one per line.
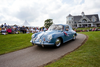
column 13, row 42
column 88, row 55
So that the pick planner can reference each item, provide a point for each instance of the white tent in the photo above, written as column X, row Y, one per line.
column 25, row 23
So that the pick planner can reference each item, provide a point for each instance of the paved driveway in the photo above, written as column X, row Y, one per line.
column 35, row 56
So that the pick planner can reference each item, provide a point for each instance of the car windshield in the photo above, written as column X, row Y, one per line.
column 56, row 27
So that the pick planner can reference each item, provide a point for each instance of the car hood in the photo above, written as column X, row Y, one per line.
column 47, row 33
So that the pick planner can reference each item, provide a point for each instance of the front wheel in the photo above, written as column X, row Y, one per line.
column 58, row 42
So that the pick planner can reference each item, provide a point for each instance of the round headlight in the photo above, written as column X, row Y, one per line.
column 33, row 35
column 50, row 37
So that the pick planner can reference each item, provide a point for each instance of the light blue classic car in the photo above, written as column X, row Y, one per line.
column 55, row 35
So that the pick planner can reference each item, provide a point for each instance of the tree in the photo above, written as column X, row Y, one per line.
column 48, row 23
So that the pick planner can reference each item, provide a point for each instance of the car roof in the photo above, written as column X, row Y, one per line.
column 64, row 25
column 61, row 24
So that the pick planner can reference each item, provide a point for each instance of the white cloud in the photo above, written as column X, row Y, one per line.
column 37, row 11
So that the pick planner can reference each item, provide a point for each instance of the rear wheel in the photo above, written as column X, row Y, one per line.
column 74, row 37
column 58, row 42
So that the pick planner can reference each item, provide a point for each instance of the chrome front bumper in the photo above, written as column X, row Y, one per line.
column 42, row 43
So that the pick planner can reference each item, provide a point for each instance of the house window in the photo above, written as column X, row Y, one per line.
column 93, row 20
column 69, row 18
column 84, row 20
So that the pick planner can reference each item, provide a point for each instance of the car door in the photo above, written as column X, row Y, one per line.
column 67, row 33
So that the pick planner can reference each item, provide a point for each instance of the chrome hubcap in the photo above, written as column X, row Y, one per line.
column 74, row 36
column 58, row 42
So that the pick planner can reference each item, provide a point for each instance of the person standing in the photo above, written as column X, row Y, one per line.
column 23, row 29
column 5, row 25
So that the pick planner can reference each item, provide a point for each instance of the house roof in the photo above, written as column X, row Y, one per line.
column 69, row 15
column 77, row 18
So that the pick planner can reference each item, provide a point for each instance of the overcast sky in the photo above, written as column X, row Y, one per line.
column 35, row 12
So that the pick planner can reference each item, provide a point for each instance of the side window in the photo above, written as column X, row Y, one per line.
column 67, row 28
